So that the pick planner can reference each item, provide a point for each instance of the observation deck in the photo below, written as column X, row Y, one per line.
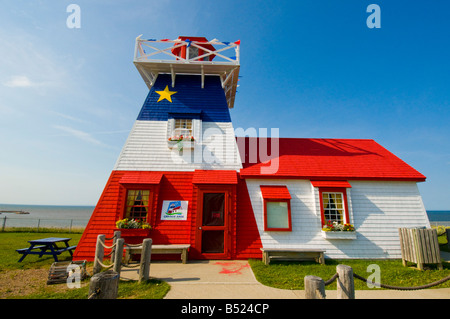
column 189, row 55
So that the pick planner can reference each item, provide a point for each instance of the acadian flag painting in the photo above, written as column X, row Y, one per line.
column 174, row 210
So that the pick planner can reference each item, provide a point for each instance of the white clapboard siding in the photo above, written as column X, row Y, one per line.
column 146, row 149
column 377, row 210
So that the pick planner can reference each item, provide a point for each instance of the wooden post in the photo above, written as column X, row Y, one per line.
column 447, row 231
column 146, row 255
column 104, row 285
column 116, row 236
column 118, row 255
column 345, row 282
column 99, row 254
column 314, row 287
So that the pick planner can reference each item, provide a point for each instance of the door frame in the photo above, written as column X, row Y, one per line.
column 227, row 214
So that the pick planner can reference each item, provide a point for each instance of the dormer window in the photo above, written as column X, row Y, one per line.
column 183, row 127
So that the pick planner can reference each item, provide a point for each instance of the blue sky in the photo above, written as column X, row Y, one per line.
column 69, row 97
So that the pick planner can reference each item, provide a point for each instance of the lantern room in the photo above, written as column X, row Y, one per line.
column 198, row 53
column 189, row 55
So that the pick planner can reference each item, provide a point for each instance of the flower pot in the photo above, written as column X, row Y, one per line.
column 339, row 234
column 133, row 232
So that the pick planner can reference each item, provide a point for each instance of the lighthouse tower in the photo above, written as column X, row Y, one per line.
column 178, row 169
column 185, row 122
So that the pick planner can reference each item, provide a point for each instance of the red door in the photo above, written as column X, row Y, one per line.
column 213, row 219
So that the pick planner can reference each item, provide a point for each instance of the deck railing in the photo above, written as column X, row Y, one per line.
column 152, row 50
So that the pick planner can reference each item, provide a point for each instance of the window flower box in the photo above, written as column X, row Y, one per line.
column 181, row 142
column 134, row 232
column 334, row 230
column 339, row 234
column 132, row 228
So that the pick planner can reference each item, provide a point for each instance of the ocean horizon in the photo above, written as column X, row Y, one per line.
column 80, row 212
column 46, row 215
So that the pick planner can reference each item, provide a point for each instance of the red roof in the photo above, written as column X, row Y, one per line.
column 275, row 191
column 132, row 177
column 214, row 177
column 324, row 159
column 344, row 184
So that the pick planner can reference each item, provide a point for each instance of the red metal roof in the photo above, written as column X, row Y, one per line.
column 324, row 159
column 275, row 192
column 214, row 177
column 132, row 177
column 331, row 184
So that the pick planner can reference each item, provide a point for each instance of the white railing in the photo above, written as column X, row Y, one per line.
column 151, row 50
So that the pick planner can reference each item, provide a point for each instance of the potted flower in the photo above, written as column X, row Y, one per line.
column 181, row 141
column 335, row 230
column 133, row 227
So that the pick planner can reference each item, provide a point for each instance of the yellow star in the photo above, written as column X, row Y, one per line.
column 166, row 94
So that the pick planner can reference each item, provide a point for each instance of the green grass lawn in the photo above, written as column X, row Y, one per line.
column 11, row 268
column 283, row 275
column 290, row 275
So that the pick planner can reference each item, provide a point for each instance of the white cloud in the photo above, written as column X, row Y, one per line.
column 78, row 134
column 19, row 81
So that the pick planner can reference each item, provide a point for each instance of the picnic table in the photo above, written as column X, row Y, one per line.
column 46, row 246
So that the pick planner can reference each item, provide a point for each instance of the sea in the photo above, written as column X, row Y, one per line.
column 78, row 216
column 45, row 216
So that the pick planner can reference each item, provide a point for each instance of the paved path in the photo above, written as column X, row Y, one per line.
column 224, row 279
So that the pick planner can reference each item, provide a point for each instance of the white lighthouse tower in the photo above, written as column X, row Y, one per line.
column 184, row 123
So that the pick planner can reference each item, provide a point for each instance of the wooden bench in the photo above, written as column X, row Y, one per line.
column 31, row 251
column 292, row 254
column 159, row 249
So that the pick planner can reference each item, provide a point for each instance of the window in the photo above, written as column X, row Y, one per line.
column 333, row 204
column 277, row 215
column 182, row 127
column 277, row 208
column 333, row 207
column 137, row 204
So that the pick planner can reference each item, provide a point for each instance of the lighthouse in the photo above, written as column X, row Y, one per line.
column 181, row 149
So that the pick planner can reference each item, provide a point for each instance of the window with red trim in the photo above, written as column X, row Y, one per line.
column 277, row 208
column 137, row 205
column 333, row 205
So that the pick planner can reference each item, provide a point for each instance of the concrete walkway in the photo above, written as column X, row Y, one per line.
column 234, row 279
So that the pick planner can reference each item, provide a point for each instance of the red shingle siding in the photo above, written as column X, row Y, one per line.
column 102, row 220
column 173, row 186
column 248, row 242
column 244, row 236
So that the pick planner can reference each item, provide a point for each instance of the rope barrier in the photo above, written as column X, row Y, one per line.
column 128, row 264
column 103, row 265
column 330, row 281
column 436, row 283
column 108, row 247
